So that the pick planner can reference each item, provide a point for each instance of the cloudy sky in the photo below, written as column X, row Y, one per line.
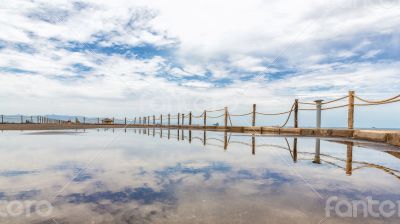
column 128, row 58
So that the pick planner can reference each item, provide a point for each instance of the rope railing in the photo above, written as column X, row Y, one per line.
column 240, row 115
column 187, row 118
column 378, row 101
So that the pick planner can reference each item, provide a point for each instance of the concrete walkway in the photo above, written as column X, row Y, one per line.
column 391, row 137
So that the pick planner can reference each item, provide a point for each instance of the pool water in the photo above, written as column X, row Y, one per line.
column 181, row 176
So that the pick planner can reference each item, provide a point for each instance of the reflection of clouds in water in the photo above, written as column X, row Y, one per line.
column 153, row 180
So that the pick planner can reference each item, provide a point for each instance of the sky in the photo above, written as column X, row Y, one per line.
column 143, row 57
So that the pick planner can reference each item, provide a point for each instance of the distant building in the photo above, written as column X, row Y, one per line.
column 107, row 121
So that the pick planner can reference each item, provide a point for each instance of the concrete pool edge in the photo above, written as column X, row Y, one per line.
column 391, row 137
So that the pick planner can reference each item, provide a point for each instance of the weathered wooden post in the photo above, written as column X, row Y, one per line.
column 350, row 116
column 140, row 120
column 226, row 117
column 190, row 118
column 134, row 120
column 169, row 120
column 179, row 118
column 84, row 120
column 2, row 119
column 183, row 119
column 31, row 119
column 22, row 119
column 98, row 120
column 161, row 119
column 113, row 120
column 205, row 119
column 125, row 120
column 253, row 123
column 148, row 120
column 349, row 159
column 319, row 106
column 296, row 113
column 154, row 119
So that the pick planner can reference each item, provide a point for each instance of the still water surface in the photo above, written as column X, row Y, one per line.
column 173, row 176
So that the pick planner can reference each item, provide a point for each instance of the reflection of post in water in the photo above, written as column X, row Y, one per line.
column 148, row 131
column 317, row 158
column 178, row 133
column 204, row 138
column 161, row 132
column 294, row 149
column 253, row 144
column 125, row 129
column 154, row 132
column 190, row 136
column 225, row 140
column 183, row 133
column 349, row 159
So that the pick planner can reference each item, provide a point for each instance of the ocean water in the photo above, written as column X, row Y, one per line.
column 181, row 176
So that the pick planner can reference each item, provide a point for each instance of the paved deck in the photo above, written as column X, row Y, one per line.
column 391, row 137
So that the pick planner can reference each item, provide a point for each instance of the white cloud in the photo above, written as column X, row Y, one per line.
column 219, row 40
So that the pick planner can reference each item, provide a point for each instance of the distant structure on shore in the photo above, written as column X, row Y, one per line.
column 107, row 121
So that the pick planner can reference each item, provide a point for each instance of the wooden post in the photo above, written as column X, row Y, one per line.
column 190, row 118
column 226, row 118
column 22, row 119
column 148, row 120
column 253, row 123
column 2, row 119
column 125, row 120
column 31, row 119
column 134, row 120
column 140, row 120
column 169, row 120
column 205, row 118
column 296, row 113
column 161, row 119
column 84, row 120
column 179, row 118
column 154, row 119
column 98, row 120
column 350, row 116
column 319, row 107
column 183, row 119
column 113, row 120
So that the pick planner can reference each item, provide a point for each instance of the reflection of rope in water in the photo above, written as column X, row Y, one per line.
column 288, row 148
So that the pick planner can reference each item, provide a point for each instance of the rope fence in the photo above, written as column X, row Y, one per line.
column 353, row 100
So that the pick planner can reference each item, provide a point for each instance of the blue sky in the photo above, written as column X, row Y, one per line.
column 126, row 58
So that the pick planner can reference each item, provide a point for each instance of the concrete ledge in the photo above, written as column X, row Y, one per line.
column 391, row 137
